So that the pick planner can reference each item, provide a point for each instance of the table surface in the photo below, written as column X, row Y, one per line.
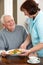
column 16, row 60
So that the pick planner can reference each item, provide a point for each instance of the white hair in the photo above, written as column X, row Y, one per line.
column 2, row 18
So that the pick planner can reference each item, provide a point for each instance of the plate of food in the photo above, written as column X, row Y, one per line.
column 14, row 52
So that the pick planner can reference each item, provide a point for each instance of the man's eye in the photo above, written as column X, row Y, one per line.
column 8, row 21
column 11, row 20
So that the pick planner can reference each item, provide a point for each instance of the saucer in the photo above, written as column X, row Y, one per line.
column 38, row 61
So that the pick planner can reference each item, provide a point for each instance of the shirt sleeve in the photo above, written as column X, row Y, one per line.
column 1, row 42
column 40, row 29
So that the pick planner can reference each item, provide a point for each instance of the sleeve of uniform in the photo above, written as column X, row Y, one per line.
column 40, row 29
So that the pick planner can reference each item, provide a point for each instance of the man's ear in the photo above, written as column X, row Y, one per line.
column 3, row 25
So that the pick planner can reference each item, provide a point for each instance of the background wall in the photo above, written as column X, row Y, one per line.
column 41, row 4
column 15, row 10
column 8, row 7
column 20, row 15
column 1, row 10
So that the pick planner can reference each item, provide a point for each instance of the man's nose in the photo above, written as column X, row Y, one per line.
column 11, row 22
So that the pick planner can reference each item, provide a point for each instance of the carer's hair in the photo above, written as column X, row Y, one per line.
column 2, row 18
column 30, row 6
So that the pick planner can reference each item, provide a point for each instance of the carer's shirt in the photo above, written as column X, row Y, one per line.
column 36, row 31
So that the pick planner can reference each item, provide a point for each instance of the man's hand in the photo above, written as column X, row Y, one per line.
column 3, row 53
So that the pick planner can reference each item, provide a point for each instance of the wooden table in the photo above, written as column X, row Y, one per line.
column 17, row 60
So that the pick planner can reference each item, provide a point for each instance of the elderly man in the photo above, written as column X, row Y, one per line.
column 12, row 36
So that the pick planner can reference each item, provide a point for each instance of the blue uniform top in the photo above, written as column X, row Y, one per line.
column 36, row 31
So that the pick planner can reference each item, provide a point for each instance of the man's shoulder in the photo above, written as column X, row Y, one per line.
column 19, row 27
column 1, row 31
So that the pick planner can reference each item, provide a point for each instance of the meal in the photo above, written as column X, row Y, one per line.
column 15, row 51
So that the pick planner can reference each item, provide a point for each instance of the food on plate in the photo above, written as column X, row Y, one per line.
column 15, row 51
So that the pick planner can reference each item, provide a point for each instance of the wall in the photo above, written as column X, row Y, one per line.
column 1, row 10
column 15, row 10
column 20, row 15
column 8, row 7
column 41, row 4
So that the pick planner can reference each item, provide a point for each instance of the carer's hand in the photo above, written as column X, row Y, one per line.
column 24, row 52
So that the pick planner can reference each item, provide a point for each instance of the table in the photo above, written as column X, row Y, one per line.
column 16, row 60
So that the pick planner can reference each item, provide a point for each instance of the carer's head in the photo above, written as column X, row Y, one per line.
column 8, row 22
column 30, row 8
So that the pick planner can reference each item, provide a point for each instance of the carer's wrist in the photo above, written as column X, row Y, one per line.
column 29, row 51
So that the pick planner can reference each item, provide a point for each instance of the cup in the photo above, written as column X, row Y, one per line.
column 33, row 59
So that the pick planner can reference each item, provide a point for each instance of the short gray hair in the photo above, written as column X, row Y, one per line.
column 2, row 18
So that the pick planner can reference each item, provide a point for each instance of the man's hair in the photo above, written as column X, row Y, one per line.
column 30, row 6
column 2, row 18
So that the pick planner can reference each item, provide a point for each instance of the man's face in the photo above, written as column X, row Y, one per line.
column 9, row 23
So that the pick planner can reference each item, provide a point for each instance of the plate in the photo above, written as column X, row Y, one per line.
column 38, row 61
column 14, row 52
